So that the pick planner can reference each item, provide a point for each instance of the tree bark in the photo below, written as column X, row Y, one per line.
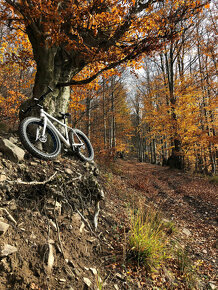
column 53, row 66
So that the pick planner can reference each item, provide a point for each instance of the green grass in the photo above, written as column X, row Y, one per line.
column 151, row 244
column 99, row 282
column 187, row 268
column 214, row 179
column 148, row 238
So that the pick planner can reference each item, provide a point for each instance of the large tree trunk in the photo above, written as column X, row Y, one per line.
column 53, row 67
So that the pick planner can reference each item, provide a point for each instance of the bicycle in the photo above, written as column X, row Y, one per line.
column 43, row 140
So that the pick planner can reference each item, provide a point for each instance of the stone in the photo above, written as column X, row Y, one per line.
column 68, row 171
column 212, row 285
column 11, row 151
column 3, row 227
column 2, row 177
column 7, row 250
column 13, row 140
column 82, row 227
column 186, row 232
column 58, row 207
column 120, row 277
column 34, row 163
column 94, row 271
column 87, row 282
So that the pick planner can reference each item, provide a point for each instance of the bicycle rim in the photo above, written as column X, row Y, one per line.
column 46, row 146
column 85, row 151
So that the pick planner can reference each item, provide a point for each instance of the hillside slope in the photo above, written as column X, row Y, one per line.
column 51, row 242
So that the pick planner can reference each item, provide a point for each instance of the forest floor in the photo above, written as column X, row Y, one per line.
column 189, row 202
column 85, row 259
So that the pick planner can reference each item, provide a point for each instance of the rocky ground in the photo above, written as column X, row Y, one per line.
column 47, row 229
column 49, row 213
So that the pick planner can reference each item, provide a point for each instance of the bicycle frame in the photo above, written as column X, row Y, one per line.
column 45, row 116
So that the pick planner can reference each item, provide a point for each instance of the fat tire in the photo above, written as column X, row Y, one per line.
column 30, row 147
column 87, row 143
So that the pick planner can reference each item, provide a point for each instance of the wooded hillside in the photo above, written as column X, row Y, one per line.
column 152, row 96
column 139, row 78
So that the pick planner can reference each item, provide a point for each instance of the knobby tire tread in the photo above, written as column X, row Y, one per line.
column 29, row 147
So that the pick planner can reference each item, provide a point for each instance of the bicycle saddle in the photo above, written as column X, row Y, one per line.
column 64, row 115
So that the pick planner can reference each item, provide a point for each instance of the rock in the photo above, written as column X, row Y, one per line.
column 32, row 236
column 166, row 221
column 13, row 140
column 87, row 282
column 58, row 207
column 94, row 271
column 7, row 250
column 68, row 171
column 34, row 163
column 212, row 285
column 2, row 177
column 204, row 251
column 12, row 205
column 62, row 280
column 82, row 227
column 3, row 227
column 11, row 151
column 120, row 277
column 186, row 232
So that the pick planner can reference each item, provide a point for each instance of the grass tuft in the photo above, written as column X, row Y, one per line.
column 148, row 238
column 213, row 179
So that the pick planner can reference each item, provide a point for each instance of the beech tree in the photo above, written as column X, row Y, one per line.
column 74, row 41
column 178, row 100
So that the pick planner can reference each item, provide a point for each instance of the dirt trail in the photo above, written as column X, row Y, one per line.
column 190, row 201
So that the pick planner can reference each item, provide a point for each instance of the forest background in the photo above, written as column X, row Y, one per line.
column 159, row 107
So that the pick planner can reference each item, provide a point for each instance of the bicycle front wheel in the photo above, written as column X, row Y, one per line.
column 46, row 146
column 81, row 145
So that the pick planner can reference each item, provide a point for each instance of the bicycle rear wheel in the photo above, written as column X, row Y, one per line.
column 45, row 147
column 84, row 151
